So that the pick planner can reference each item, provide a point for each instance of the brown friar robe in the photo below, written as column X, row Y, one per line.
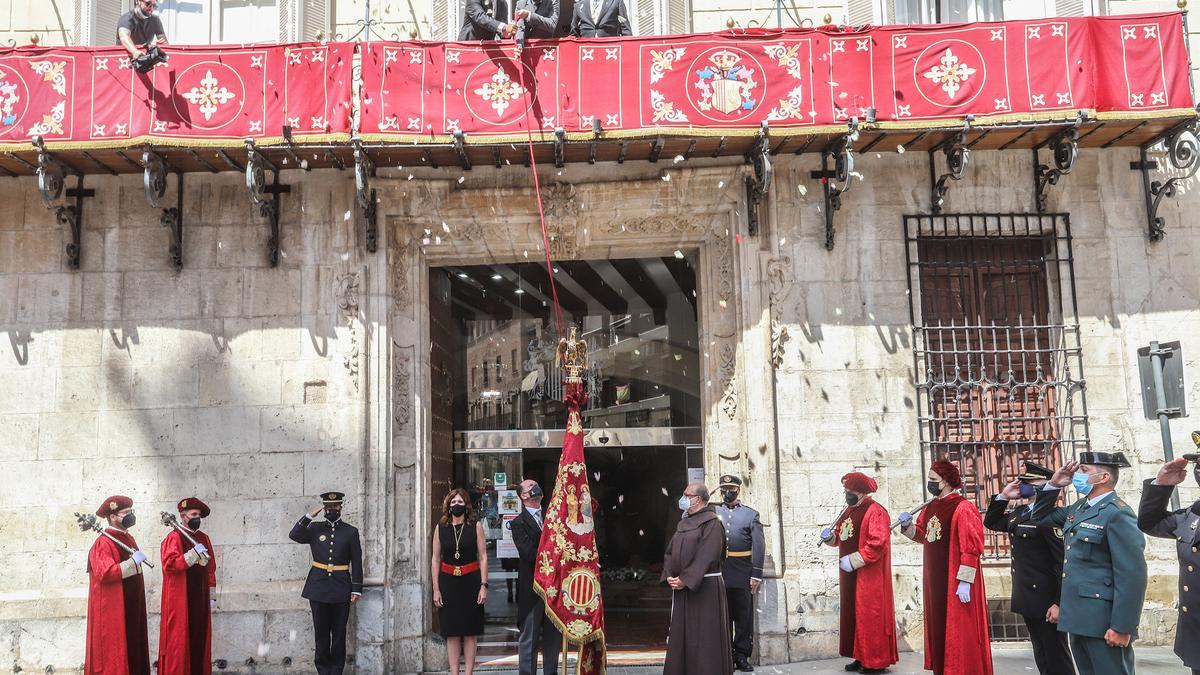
column 699, row 640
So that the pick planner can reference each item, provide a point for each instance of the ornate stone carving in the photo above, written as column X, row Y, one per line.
column 347, row 301
column 401, row 285
column 560, row 201
column 402, row 388
column 651, row 225
column 779, row 338
column 779, row 279
column 729, row 396
column 724, row 269
column 564, row 244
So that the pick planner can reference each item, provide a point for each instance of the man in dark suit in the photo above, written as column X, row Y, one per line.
column 1037, row 555
column 600, row 18
column 536, row 19
column 335, row 580
column 535, row 626
column 486, row 20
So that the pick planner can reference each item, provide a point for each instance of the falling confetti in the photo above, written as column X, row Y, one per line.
column 679, row 254
column 462, row 179
column 899, row 149
column 723, row 304
column 666, row 177
column 679, row 158
column 720, row 185
column 445, row 227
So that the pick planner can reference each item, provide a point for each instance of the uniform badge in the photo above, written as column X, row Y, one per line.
column 933, row 530
column 112, row 506
column 846, row 530
column 1058, row 532
column 322, row 537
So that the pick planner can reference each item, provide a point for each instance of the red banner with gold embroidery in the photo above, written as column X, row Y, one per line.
column 796, row 80
column 214, row 96
column 567, row 572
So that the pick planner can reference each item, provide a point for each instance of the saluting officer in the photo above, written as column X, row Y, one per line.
column 1037, row 560
column 334, row 580
column 743, row 567
column 1184, row 527
column 1104, row 569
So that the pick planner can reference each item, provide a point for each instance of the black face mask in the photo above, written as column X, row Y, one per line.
column 730, row 496
column 457, row 510
column 128, row 521
column 193, row 523
column 851, row 498
column 333, row 516
column 536, row 492
column 934, row 487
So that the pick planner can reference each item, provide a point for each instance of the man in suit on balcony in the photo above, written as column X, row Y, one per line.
column 600, row 18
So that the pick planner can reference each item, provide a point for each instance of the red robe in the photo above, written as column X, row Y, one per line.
column 185, row 637
column 956, row 635
column 868, row 628
column 117, row 641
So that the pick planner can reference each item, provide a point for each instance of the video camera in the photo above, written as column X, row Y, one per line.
column 153, row 56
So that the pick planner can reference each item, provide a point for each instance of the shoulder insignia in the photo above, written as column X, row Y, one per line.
column 1121, row 503
column 1058, row 532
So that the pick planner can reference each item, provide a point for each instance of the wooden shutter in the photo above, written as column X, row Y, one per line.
column 288, row 24
column 96, row 22
column 314, row 18
column 678, row 18
column 861, row 12
column 643, row 16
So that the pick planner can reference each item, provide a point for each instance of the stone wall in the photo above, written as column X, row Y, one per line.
column 229, row 380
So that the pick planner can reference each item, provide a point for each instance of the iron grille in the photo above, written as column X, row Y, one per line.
column 996, row 348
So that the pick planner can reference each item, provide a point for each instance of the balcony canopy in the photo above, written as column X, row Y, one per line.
column 1121, row 80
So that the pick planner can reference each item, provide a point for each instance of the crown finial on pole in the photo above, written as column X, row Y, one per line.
column 828, row 18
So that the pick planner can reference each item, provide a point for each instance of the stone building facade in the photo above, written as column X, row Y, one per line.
column 256, row 388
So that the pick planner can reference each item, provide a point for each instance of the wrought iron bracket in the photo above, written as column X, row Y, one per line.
column 51, row 175
column 265, row 197
column 837, row 181
column 290, row 149
column 1183, row 157
column 1064, row 148
column 758, row 184
column 154, row 177
column 364, row 170
column 958, row 157
column 172, row 218
column 560, row 147
column 460, row 149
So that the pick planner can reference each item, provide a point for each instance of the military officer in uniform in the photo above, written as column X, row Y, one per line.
column 743, row 567
column 1037, row 560
column 1104, row 569
column 1184, row 527
column 334, row 581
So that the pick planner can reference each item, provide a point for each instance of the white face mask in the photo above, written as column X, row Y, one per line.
column 685, row 503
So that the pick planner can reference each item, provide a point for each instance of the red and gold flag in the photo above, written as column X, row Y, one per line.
column 567, row 573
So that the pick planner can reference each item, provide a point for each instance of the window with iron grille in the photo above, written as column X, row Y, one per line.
column 996, row 346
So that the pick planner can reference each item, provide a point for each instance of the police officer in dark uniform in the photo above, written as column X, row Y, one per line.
column 743, row 568
column 1184, row 527
column 1037, row 557
column 334, row 581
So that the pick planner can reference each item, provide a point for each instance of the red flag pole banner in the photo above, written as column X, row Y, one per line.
column 567, row 573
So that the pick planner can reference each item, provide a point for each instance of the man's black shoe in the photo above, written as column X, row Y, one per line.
column 743, row 665
column 853, row 666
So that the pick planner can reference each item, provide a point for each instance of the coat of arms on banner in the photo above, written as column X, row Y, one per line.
column 12, row 98
column 725, row 80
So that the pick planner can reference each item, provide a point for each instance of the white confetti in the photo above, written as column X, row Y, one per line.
column 347, row 216
column 445, row 227
column 782, row 241
column 802, row 189
column 462, row 179
column 899, row 149
column 678, row 158
column 666, row 177
column 410, row 176
column 720, row 185
column 679, row 254
column 723, row 304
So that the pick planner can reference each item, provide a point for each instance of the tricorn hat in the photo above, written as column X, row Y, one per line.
column 193, row 503
column 1104, row 458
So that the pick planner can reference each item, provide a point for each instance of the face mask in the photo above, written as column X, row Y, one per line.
column 934, row 487
column 851, row 499
column 730, row 496
column 332, row 516
column 458, row 509
column 536, row 492
column 128, row 521
column 1028, row 491
column 685, row 503
column 1081, row 482
column 193, row 524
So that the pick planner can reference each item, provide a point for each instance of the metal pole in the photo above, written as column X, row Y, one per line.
column 1160, row 407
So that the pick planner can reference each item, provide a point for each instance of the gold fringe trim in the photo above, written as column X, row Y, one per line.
column 562, row 629
column 139, row 142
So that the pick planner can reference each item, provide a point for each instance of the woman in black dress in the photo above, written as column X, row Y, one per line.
column 460, row 568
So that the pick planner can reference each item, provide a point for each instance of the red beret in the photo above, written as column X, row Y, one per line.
column 193, row 503
column 948, row 472
column 859, row 482
column 113, row 504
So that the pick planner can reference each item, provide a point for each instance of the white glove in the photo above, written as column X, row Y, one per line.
column 212, row 604
column 905, row 519
column 963, row 592
column 139, row 557
column 844, row 563
column 201, row 550
column 826, row 534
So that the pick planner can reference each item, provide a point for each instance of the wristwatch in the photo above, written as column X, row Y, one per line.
column 484, row 584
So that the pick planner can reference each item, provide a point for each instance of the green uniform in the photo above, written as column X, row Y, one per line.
column 1104, row 577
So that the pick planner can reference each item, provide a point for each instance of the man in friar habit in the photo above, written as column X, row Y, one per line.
column 117, row 641
column 743, row 568
column 863, row 539
column 698, row 640
column 951, row 531
column 1184, row 527
column 189, row 574
column 1037, row 555
column 334, row 581
column 1104, row 571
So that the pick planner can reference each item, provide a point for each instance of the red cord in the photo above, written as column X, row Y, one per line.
column 537, row 190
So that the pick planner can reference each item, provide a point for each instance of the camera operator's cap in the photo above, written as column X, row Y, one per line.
column 1035, row 471
column 730, row 480
column 1104, row 459
column 332, row 497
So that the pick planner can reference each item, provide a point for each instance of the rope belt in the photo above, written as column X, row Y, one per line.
column 331, row 568
column 739, row 554
column 460, row 570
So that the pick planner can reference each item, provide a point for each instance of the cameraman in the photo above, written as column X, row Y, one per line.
column 139, row 29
